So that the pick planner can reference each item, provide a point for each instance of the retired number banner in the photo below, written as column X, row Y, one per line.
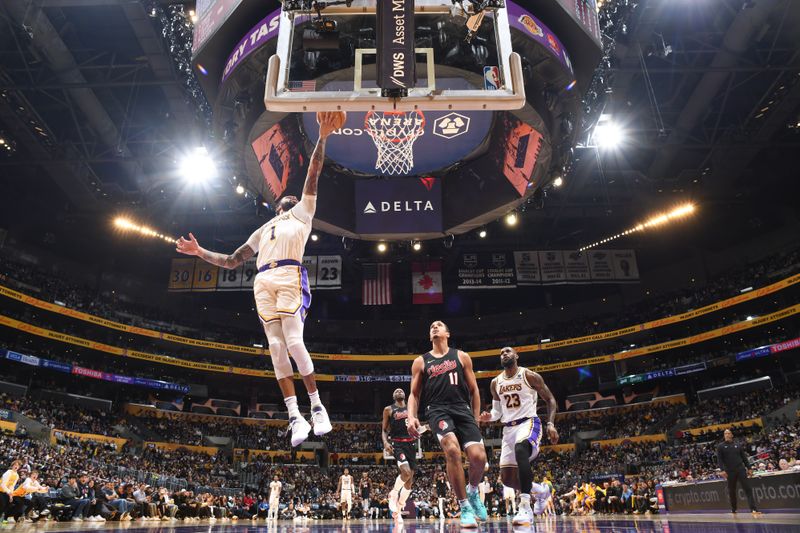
column 195, row 275
column 486, row 270
column 550, row 267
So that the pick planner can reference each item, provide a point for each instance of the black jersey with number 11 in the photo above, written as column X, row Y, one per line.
column 443, row 381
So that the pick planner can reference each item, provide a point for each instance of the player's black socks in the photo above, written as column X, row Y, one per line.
column 522, row 451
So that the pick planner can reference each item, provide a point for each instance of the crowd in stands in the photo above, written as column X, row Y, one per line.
column 112, row 305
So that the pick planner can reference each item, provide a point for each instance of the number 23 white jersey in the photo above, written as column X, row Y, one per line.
column 517, row 397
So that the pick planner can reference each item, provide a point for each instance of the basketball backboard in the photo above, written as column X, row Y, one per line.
column 330, row 59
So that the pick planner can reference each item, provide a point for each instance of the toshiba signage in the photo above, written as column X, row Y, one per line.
column 398, row 205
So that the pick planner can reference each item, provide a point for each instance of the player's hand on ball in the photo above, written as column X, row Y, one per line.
column 330, row 121
column 552, row 434
column 188, row 246
column 413, row 426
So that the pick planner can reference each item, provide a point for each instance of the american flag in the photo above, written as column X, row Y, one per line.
column 302, row 86
column 377, row 287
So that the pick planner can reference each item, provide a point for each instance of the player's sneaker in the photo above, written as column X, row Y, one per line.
column 523, row 517
column 300, row 429
column 319, row 417
column 478, row 508
column 468, row 520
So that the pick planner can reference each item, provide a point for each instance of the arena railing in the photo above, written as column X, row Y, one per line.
column 723, row 331
column 249, row 350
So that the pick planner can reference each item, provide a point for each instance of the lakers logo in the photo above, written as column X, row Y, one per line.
column 531, row 26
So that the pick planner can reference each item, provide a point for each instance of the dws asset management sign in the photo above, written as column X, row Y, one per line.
column 395, row 60
column 398, row 205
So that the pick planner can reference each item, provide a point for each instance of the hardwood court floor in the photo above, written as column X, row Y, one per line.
column 673, row 523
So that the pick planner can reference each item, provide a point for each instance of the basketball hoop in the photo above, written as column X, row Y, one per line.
column 394, row 133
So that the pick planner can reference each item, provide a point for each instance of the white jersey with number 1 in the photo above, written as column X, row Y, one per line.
column 285, row 236
column 347, row 483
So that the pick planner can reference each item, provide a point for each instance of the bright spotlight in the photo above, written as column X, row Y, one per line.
column 314, row 237
column 417, row 246
column 239, row 189
column 198, row 167
column 607, row 133
column 382, row 247
column 558, row 182
column 512, row 219
column 482, row 234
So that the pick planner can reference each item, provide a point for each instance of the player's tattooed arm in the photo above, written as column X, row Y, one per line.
column 190, row 246
column 315, row 168
column 242, row 254
column 535, row 380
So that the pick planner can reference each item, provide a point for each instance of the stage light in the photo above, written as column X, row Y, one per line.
column 482, row 233
column 607, row 133
column 239, row 189
column 124, row 224
column 382, row 247
column 314, row 237
column 416, row 245
column 746, row 289
column 545, row 340
column 655, row 221
column 202, row 69
column 558, row 182
column 198, row 167
column 512, row 218
column 572, row 85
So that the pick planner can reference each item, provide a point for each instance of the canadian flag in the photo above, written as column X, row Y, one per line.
column 426, row 282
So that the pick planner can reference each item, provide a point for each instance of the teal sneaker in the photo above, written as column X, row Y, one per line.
column 478, row 508
column 468, row 518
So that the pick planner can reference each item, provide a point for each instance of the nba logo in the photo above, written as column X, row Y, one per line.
column 491, row 78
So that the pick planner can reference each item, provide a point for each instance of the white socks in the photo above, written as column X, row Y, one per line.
column 314, row 397
column 398, row 484
column 291, row 405
column 525, row 501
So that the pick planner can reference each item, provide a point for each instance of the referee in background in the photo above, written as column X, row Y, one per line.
column 734, row 462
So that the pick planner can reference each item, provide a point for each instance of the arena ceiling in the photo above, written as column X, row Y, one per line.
column 708, row 92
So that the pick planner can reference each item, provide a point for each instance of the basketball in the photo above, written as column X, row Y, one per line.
column 338, row 118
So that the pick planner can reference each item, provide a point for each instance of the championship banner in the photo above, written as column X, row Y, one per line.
column 486, row 270
column 527, row 264
column 426, row 282
column 552, row 265
column 181, row 275
column 571, row 266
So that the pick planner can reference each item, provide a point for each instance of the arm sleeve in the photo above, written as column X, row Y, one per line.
column 305, row 208
column 254, row 240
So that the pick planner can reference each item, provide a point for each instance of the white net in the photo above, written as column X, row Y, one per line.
column 394, row 133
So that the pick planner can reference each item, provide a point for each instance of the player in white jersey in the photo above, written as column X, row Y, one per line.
column 275, row 487
column 281, row 287
column 514, row 394
column 510, row 499
column 345, row 490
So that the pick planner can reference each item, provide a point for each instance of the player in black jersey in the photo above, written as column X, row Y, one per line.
column 398, row 443
column 445, row 392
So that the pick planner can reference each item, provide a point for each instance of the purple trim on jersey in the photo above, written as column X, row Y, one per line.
column 306, row 290
column 536, row 432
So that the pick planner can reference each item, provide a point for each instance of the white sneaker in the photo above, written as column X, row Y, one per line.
column 322, row 424
column 540, row 505
column 300, row 429
column 523, row 517
column 77, row 519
